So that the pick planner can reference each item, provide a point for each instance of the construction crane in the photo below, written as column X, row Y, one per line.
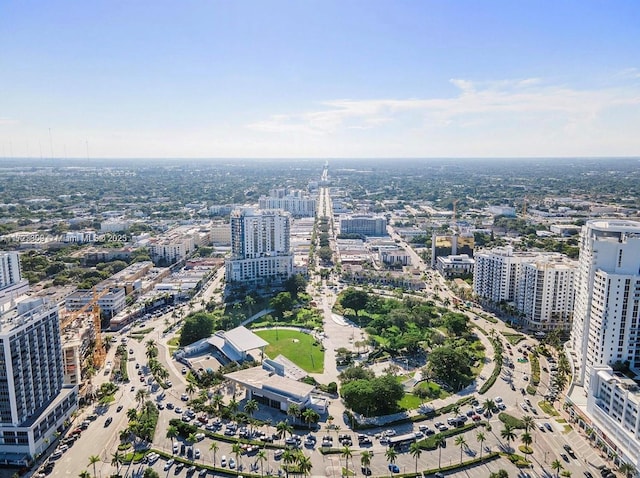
column 91, row 309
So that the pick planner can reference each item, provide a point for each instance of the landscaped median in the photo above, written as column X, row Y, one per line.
column 431, row 442
column 497, row 369
column 186, row 429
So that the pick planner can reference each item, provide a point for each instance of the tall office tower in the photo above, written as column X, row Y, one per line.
column 34, row 403
column 260, row 246
column 606, row 312
column 11, row 282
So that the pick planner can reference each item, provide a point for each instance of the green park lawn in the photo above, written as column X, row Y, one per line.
column 296, row 346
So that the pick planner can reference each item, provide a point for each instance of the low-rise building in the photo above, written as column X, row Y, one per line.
column 455, row 266
column 614, row 407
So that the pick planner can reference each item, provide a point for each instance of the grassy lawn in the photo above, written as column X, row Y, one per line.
column 409, row 402
column 513, row 338
column 173, row 344
column 547, row 408
column 296, row 346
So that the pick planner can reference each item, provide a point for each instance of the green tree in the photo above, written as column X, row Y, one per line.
column 526, row 439
column 196, row 326
column 365, row 458
column 150, row 473
column 415, row 451
column 304, row 464
column 83, row 474
column 354, row 299
column 346, row 453
column 501, row 473
column 480, row 437
column 93, row 459
column 378, row 396
column 281, row 302
column 508, row 434
column 261, row 457
column 295, row 285
column 310, row 416
column 172, row 433
column 391, row 455
column 462, row 443
column 214, row 447
column 439, row 441
column 450, row 365
column 556, row 466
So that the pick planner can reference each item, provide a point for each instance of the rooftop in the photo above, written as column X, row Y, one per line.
column 243, row 340
column 259, row 378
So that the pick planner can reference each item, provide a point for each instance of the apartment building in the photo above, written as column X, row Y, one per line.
column 614, row 406
column 260, row 246
column 607, row 302
column 366, row 225
column 546, row 292
column 34, row 402
column 296, row 202
column 12, row 285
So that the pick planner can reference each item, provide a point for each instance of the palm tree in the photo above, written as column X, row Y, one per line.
column 191, row 389
column 251, row 407
column 233, row 406
column 214, row 448
column 288, row 457
column 462, row 443
column 116, row 460
column 346, row 454
column 481, row 438
column 528, row 423
column 261, row 457
column 415, row 451
column 526, row 439
column 304, row 464
column 557, row 466
column 391, row 455
column 489, row 405
column 439, row 441
column 172, row 432
column 282, row 428
column 310, row 416
column 141, row 396
column 236, row 449
column 93, row 459
column 217, row 401
column 132, row 414
column 365, row 458
column 83, row 474
column 508, row 434
column 627, row 469
column 294, row 411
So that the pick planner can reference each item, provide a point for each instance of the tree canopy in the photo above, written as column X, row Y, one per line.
column 371, row 397
column 196, row 326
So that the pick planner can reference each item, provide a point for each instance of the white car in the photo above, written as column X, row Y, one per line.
column 199, row 436
column 232, row 463
column 498, row 399
column 223, row 461
column 168, row 464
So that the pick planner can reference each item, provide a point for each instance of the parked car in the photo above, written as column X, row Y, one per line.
column 393, row 468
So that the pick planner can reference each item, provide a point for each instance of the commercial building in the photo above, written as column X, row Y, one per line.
column 12, row 285
column 34, row 403
column 455, row 266
column 366, row 225
column 260, row 246
column 614, row 406
column 607, row 303
column 110, row 303
column 295, row 202
column 444, row 245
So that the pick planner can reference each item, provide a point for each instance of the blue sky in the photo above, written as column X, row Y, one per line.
column 136, row 78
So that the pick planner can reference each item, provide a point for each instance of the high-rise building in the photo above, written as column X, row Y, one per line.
column 607, row 303
column 296, row 202
column 260, row 246
column 366, row 225
column 496, row 273
column 34, row 403
column 545, row 293
column 12, row 284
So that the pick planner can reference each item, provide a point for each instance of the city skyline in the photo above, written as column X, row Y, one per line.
column 319, row 79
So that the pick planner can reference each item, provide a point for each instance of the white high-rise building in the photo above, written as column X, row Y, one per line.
column 606, row 313
column 260, row 246
column 545, row 293
column 539, row 284
column 296, row 202
column 12, row 284
column 497, row 273
column 34, row 403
